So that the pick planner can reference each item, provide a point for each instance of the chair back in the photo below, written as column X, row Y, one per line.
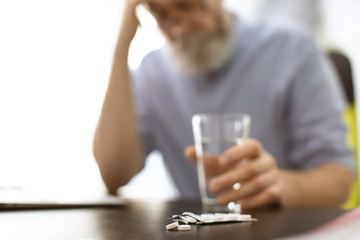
column 342, row 66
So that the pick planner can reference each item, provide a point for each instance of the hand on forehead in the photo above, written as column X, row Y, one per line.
column 170, row 6
column 179, row 17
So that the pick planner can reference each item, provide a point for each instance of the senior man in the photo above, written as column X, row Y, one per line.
column 215, row 62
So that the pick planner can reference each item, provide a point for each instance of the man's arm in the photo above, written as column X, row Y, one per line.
column 116, row 143
column 326, row 185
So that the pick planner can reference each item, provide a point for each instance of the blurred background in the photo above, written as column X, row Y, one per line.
column 55, row 60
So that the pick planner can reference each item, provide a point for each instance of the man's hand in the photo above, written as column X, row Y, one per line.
column 253, row 168
column 130, row 21
column 262, row 183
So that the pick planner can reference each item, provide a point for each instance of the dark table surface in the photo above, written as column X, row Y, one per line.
column 147, row 220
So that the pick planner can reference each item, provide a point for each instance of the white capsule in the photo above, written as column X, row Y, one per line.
column 189, row 213
column 172, row 225
column 184, row 227
column 189, row 219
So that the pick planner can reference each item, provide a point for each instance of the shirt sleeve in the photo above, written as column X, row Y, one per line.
column 316, row 103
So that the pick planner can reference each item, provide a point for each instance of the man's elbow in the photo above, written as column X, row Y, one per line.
column 115, row 180
column 116, row 173
column 112, row 186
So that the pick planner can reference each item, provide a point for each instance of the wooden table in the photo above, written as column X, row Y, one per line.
column 147, row 219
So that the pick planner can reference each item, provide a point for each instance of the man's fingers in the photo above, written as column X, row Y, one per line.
column 248, row 149
column 251, row 188
column 190, row 153
column 210, row 162
column 267, row 197
column 242, row 172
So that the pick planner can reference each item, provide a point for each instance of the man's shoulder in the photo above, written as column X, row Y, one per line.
column 153, row 58
column 277, row 38
column 279, row 30
column 153, row 65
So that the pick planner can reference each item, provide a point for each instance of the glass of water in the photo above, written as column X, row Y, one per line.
column 213, row 135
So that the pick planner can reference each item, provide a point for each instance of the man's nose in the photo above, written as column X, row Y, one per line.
column 176, row 29
column 179, row 30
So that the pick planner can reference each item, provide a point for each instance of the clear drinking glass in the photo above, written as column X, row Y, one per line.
column 213, row 135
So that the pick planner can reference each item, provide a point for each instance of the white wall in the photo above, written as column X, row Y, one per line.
column 55, row 58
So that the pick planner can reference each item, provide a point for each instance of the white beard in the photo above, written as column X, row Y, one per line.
column 203, row 53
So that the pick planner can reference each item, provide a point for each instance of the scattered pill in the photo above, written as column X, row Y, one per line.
column 190, row 219
column 189, row 213
column 172, row 225
column 181, row 222
column 184, row 227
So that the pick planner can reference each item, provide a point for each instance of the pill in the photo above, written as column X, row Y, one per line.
column 184, row 227
column 190, row 219
column 189, row 213
column 172, row 225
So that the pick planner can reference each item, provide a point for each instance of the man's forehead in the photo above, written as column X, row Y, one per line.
column 187, row 2
column 183, row 5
